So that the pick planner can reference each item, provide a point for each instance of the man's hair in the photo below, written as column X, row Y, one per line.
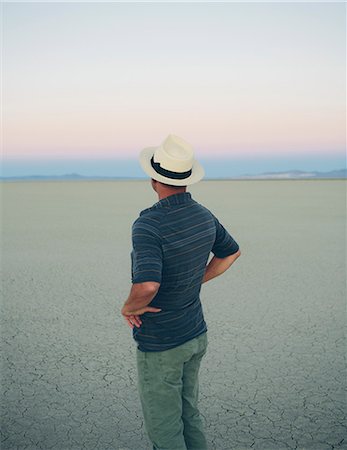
column 171, row 186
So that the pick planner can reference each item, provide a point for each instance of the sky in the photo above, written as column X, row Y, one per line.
column 86, row 86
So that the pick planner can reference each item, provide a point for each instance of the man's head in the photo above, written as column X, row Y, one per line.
column 172, row 163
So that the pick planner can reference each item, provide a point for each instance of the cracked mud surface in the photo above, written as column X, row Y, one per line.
column 274, row 376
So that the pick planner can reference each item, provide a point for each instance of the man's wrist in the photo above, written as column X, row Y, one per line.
column 126, row 310
column 133, row 305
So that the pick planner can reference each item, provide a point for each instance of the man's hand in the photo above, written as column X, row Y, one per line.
column 141, row 294
column 132, row 318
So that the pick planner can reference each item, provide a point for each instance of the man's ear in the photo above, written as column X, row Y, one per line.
column 154, row 184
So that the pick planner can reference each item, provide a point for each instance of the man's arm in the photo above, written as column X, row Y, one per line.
column 141, row 295
column 146, row 270
column 217, row 266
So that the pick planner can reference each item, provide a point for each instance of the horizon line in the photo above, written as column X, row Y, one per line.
column 286, row 174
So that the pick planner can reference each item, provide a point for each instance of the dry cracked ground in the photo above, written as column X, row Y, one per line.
column 274, row 377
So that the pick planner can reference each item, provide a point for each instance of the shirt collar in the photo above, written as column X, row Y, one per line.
column 175, row 199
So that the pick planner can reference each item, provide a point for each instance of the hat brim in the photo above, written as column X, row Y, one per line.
column 145, row 161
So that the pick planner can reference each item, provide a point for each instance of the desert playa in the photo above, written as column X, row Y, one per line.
column 274, row 376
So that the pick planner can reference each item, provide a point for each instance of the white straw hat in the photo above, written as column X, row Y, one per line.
column 172, row 162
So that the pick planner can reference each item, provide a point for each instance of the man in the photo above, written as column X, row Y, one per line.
column 172, row 241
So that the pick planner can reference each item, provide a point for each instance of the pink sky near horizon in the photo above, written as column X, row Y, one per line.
column 266, row 79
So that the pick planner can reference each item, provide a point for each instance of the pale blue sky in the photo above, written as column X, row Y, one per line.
column 262, row 83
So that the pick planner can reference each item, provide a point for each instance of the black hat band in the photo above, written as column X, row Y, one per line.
column 169, row 173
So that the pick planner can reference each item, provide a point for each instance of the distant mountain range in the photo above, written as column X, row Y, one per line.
column 297, row 174
column 289, row 175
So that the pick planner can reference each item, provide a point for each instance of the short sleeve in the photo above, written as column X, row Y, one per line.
column 146, row 256
column 224, row 244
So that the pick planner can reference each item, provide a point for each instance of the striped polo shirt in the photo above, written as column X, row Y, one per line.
column 172, row 241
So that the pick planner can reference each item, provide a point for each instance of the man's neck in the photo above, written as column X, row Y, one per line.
column 167, row 192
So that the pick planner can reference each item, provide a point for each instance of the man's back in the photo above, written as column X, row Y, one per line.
column 172, row 242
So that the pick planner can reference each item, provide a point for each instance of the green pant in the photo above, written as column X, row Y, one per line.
column 168, row 386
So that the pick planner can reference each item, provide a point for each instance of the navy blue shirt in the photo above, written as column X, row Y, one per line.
column 172, row 241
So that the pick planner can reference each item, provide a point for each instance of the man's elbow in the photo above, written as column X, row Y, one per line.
column 150, row 288
column 234, row 255
column 232, row 258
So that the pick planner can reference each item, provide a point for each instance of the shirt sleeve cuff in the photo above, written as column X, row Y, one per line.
column 143, row 279
column 227, row 252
